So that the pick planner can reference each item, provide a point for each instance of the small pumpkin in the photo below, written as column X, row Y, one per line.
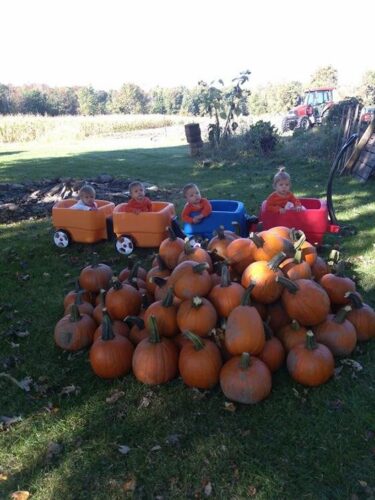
column 227, row 295
column 219, row 243
column 245, row 379
column 263, row 275
column 196, row 254
column 362, row 316
column 159, row 270
column 291, row 335
column 83, row 306
column 122, row 300
column 273, row 353
column 165, row 312
column 170, row 249
column 240, row 254
column 310, row 364
column 200, row 362
column 337, row 285
column 197, row 315
column 138, row 330
column 74, row 331
column 95, row 277
column 268, row 244
column 337, row 333
column 296, row 268
column 111, row 355
column 189, row 279
column 131, row 264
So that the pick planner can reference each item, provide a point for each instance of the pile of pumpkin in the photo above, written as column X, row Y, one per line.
column 230, row 313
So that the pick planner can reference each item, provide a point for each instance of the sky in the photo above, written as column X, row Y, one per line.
column 105, row 43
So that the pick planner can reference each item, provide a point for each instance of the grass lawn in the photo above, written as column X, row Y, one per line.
column 299, row 443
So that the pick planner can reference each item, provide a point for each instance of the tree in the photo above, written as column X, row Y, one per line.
column 130, row 99
column 62, row 101
column 4, row 99
column 156, row 103
column 90, row 102
column 324, row 76
column 33, row 101
column 367, row 89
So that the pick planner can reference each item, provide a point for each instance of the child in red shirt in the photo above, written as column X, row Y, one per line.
column 201, row 207
column 282, row 199
column 138, row 201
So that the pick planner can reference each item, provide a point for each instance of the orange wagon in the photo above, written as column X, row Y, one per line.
column 81, row 226
column 146, row 229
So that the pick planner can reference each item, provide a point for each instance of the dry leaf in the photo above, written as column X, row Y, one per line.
column 156, row 448
column 228, row 406
column 70, row 389
column 26, row 333
column 145, row 402
column 251, row 491
column 123, row 449
column 23, row 384
column 20, row 495
column 115, row 396
column 129, row 485
column 8, row 421
column 353, row 364
column 208, row 489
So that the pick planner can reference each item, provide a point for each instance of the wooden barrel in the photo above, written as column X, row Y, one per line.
column 193, row 133
column 195, row 148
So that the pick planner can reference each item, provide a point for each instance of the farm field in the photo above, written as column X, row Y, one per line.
column 75, row 436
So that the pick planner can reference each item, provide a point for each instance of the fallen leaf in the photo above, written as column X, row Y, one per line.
column 123, row 449
column 156, row 448
column 353, row 364
column 20, row 495
column 362, row 483
column 70, row 389
column 145, row 402
column 129, row 485
column 115, row 396
column 46, row 275
column 26, row 333
column 208, row 489
column 6, row 422
column 251, row 491
column 23, row 384
column 228, row 406
column 3, row 477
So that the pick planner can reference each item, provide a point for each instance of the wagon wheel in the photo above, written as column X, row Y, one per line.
column 125, row 244
column 61, row 238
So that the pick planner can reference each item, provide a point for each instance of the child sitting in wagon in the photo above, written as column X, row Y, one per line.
column 86, row 200
column 282, row 199
column 138, row 202
column 196, row 207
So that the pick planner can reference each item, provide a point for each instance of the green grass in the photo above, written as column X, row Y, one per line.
column 314, row 444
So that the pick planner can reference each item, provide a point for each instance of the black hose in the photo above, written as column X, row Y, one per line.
column 332, row 172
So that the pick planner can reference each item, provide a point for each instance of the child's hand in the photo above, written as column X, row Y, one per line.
column 298, row 208
column 197, row 219
column 282, row 210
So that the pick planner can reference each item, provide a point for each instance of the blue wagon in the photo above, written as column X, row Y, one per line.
column 224, row 213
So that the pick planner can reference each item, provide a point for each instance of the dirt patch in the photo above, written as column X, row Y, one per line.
column 35, row 199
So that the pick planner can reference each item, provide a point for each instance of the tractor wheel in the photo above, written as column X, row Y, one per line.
column 305, row 123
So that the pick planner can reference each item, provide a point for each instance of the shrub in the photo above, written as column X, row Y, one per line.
column 261, row 137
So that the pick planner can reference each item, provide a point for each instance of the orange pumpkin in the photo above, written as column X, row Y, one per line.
column 189, row 279
column 74, row 331
column 240, row 254
column 337, row 333
column 263, row 274
column 197, row 315
column 95, row 277
column 273, row 353
column 268, row 244
column 220, row 242
column 227, row 295
column 291, row 335
column 362, row 316
column 337, row 285
column 123, row 300
column 165, row 313
column 170, row 249
column 196, row 254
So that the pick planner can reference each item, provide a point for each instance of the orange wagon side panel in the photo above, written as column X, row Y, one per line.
column 83, row 226
column 147, row 228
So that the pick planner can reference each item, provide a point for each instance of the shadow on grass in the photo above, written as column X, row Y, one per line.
column 6, row 153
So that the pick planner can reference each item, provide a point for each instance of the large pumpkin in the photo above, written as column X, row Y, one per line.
column 362, row 316
column 337, row 285
column 189, row 279
column 165, row 312
column 219, row 243
column 197, row 315
column 268, row 244
column 245, row 379
column 240, row 254
column 170, row 249
column 155, row 359
column 263, row 274
column 305, row 301
column 244, row 329
column 227, row 295
column 310, row 364
column 200, row 362
column 95, row 276
column 111, row 355
column 337, row 333
column 196, row 254
column 123, row 300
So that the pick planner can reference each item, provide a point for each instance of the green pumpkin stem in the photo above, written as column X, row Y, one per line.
column 276, row 261
column 341, row 314
column 154, row 337
column 301, row 238
column 201, row 267
column 168, row 299
column 116, row 284
column 245, row 361
column 133, row 275
column 310, row 341
column 188, row 247
column 298, row 256
column 355, row 300
column 75, row 315
column 197, row 341
column 95, row 260
column 340, row 269
column 295, row 325
column 161, row 263
column 107, row 330
column 246, row 297
column 172, row 235
column 78, row 298
column 290, row 285
column 134, row 320
column 158, row 281
column 258, row 240
column 220, row 233
column 196, row 302
column 268, row 330
column 225, row 280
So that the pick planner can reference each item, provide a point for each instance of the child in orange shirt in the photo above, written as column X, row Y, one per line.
column 195, row 204
column 282, row 199
column 138, row 200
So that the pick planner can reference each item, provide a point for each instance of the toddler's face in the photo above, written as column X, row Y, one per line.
column 193, row 195
column 88, row 199
column 138, row 193
column 282, row 187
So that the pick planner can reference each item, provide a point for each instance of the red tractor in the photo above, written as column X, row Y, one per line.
column 310, row 110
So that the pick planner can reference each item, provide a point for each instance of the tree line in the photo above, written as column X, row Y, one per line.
column 132, row 99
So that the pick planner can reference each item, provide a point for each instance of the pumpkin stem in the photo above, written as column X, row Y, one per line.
column 168, row 299
column 78, row 298
column 246, row 298
column 295, row 325
column 133, row 275
column 161, row 263
column 188, row 247
column 75, row 315
column 199, row 268
column 334, row 257
column 340, row 269
column 245, row 361
column 220, row 233
column 116, row 284
column 267, row 330
column 225, row 276
column 160, row 282
column 290, row 285
column 102, row 297
column 196, row 302
column 342, row 314
column 154, row 337
column 355, row 299
column 258, row 240
column 301, row 238
column 310, row 341
column 276, row 261
column 298, row 256
column 107, row 330
column 172, row 235
column 134, row 320
column 95, row 260
column 197, row 341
